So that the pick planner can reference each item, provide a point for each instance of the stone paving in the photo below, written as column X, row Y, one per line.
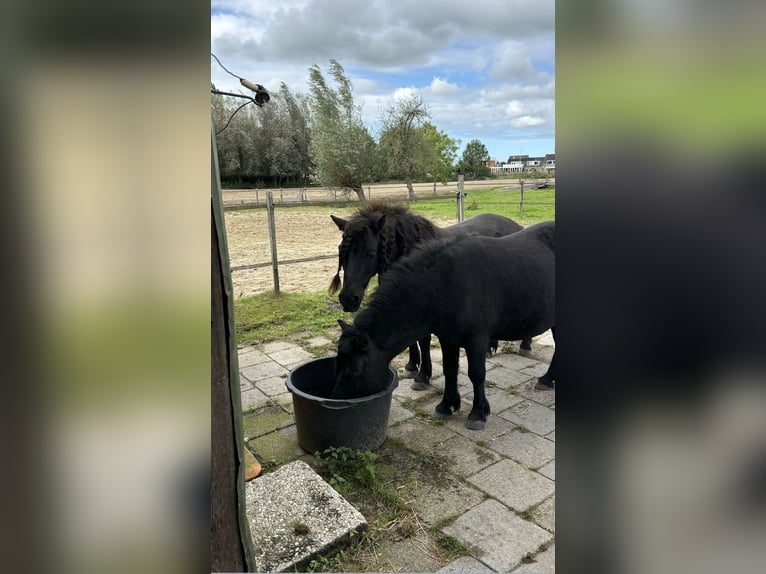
column 498, row 496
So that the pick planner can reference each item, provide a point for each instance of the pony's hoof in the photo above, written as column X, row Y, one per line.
column 545, row 384
column 525, row 353
column 441, row 416
column 475, row 425
column 409, row 374
column 420, row 386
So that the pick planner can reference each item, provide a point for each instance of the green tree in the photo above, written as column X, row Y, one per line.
column 474, row 160
column 440, row 152
column 401, row 141
column 342, row 148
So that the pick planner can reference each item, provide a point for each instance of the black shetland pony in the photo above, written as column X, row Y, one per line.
column 378, row 235
column 466, row 291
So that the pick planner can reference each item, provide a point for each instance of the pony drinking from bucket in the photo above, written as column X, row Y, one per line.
column 378, row 235
column 487, row 288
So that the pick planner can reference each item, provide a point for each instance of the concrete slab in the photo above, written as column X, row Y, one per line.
column 294, row 515
column 253, row 399
column 530, row 415
column 506, row 378
column 250, row 356
column 264, row 420
column 551, row 436
column 497, row 536
column 511, row 361
column 256, row 373
column 465, row 564
column 408, row 555
column 435, row 502
column 495, row 427
column 276, row 346
column 398, row 413
column 464, row 457
column 549, row 470
column 271, row 386
column 420, row 436
column 536, row 370
column 291, row 356
column 542, row 563
column 277, row 447
column 545, row 397
column 499, row 399
column 545, row 515
column 513, row 485
column 529, row 449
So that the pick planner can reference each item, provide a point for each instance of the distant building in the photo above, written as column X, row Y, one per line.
column 521, row 163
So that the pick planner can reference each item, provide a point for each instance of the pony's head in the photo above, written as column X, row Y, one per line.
column 360, row 368
column 358, row 255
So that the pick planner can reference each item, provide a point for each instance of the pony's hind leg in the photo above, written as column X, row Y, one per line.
column 477, row 418
column 451, row 399
column 525, row 347
column 411, row 368
column 423, row 378
column 548, row 380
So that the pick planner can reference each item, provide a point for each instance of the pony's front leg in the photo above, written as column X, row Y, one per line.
column 451, row 398
column 423, row 378
column 548, row 380
column 477, row 418
column 411, row 368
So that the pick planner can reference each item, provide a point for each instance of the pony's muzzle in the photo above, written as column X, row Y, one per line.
column 350, row 303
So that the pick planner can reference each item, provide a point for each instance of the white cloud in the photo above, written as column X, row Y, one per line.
column 527, row 122
column 441, row 87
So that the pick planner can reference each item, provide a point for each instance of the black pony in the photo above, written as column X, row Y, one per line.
column 486, row 288
column 376, row 236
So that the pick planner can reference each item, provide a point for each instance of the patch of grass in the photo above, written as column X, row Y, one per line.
column 449, row 543
column 293, row 316
column 343, row 465
column 522, row 429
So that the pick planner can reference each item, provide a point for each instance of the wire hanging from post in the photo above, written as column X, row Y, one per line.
column 261, row 95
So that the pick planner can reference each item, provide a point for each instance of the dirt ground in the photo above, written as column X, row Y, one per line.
column 300, row 233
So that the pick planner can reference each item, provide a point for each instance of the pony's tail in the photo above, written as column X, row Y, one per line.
column 335, row 283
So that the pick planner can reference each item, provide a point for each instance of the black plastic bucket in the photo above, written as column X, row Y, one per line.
column 359, row 424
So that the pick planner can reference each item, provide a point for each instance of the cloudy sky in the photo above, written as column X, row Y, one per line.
column 484, row 68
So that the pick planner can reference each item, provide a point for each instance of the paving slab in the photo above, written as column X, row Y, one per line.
column 542, row 563
column 408, row 555
column 465, row 564
column 276, row 346
column 253, row 399
column 464, row 456
column 551, row 436
column 545, row 514
column 251, row 356
column 264, row 420
column 272, row 386
column 496, row 427
column 404, row 391
column 497, row 536
column 291, row 356
column 506, row 378
column 256, row 373
column 528, row 390
column 277, row 447
column 532, row 416
column 294, row 516
column 398, row 413
column 511, row 361
column 420, row 435
column 529, row 449
column 513, row 485
column 499, row 399
column 536, row 370
column 549, row 470
column 435, row 502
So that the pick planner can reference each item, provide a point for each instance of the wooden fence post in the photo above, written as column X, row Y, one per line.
column 521, row 200
column 460, row 194
column 273, row 239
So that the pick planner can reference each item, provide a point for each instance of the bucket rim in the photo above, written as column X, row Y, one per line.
column 340, row 403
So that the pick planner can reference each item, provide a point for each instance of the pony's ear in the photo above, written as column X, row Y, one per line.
column 341, row 223
column 343, row 325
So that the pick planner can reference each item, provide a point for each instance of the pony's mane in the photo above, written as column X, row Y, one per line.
column 402, row 230
column 412, row 273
